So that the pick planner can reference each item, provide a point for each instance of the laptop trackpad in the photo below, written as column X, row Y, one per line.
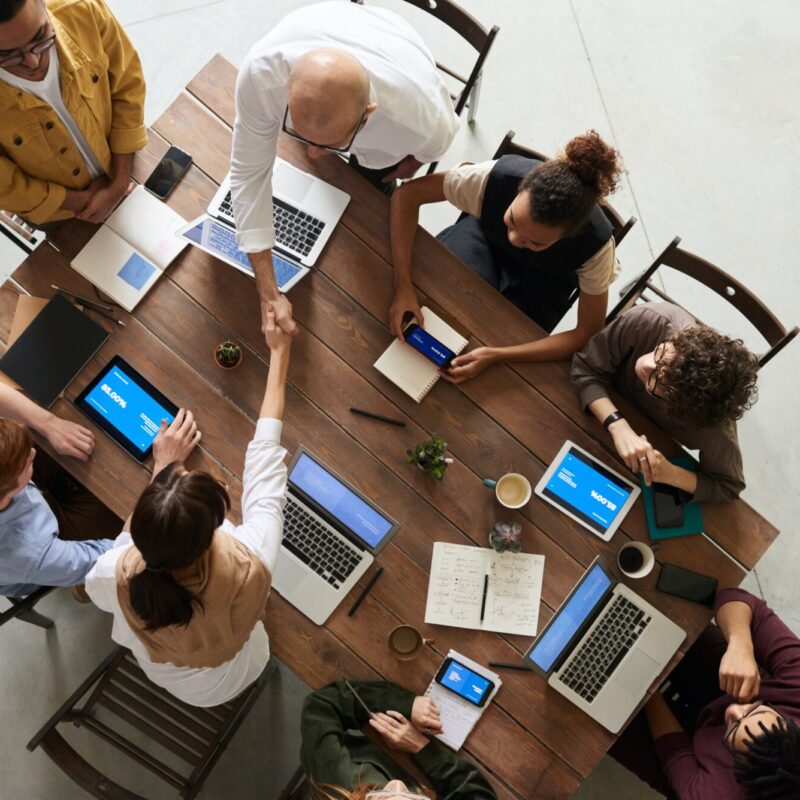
column 291, row 184
column 637, row 673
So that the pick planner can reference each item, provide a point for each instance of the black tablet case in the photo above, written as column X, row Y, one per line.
column 52, row 350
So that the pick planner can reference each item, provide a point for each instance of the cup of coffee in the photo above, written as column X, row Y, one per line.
column 636, row 559
column 405, row 641
column 512, row 490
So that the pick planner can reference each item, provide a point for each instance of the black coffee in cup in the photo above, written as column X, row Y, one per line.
column 631, row 559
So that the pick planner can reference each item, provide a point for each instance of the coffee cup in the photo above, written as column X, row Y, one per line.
column 512, row 490
column 636, row 559
column 405, row 642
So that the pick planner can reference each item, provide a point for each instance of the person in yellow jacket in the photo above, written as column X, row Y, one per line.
column 71, row 109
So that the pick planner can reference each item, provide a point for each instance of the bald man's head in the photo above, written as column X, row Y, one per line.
column 328, row 91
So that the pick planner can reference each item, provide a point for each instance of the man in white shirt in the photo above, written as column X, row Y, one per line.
column 343, row 78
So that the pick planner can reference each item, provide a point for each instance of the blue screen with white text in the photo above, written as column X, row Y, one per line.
column 431, row 348
column 465, row 682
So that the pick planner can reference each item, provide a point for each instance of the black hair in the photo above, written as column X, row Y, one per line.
column 770, row 767
column 10, row 8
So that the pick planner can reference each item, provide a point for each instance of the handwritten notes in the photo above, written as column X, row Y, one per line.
column 455, row 591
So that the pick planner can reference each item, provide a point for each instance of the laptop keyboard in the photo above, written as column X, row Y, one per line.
column 294, row 229
column 589, row 669
column 315, row 545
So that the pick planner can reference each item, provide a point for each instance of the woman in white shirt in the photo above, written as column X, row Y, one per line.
column 186, row 587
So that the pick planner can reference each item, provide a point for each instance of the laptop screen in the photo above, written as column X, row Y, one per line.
column 340, row 501
column 569, row 618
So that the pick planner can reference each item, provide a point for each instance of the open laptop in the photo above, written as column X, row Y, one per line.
column 305, row 210
column 604, row 647
column 331, row 535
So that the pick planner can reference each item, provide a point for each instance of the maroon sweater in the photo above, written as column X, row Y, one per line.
column 702, row 767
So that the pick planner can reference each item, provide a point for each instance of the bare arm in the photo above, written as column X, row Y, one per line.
column 738, row 671
column 660, row 718
column 280, row 345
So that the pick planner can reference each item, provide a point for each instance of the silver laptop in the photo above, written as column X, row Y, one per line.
column 604, row 647
column 305, row 210
column 331, row 535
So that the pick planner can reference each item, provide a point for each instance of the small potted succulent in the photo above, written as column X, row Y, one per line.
column 228, row 355
column 430, row 457
column 506, row 536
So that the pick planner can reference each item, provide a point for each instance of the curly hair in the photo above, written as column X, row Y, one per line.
column 770, row 767
column 709, row 379
column 564, row 190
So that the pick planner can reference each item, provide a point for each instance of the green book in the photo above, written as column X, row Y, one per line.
column 692, row 516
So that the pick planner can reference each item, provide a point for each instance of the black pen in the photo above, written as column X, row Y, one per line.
column 379, row 417
column 365, row 592
column 485, row 589
column 86, row 301
column 505, row 665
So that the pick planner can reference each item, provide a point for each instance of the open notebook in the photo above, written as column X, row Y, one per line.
column 131, row 250
column 410, row 370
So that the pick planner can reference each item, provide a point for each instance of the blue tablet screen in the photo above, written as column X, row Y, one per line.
column 125, row 405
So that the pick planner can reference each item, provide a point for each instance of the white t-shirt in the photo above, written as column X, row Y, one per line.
column 49, row 90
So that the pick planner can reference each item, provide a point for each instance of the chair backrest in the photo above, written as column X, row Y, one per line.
column 719, row 282
column 22, row 609
column 508, row 147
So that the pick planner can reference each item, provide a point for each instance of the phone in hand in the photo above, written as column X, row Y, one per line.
column 461, row 680
column 687, row 584
column 427, row 345
column 164, row 178
column 668, row 505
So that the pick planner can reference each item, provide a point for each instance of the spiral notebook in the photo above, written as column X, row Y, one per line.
column 410, row 370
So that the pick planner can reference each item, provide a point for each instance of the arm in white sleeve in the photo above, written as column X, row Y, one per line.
column 101, row 582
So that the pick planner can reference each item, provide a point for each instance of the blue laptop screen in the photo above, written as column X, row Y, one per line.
column 569, row 618
column 340, row 501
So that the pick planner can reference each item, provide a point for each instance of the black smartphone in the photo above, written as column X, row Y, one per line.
column 164, row 178
column 461, row 680
column 687, row 584
column 668, row 505
column 427, row 345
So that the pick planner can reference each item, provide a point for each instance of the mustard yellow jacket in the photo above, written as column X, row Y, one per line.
column 103, row 88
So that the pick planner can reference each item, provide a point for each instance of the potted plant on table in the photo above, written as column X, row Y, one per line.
column 228, row 355
column 506, row 536
column 430, row 457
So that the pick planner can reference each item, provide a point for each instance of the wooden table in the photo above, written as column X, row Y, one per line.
column 531, row 741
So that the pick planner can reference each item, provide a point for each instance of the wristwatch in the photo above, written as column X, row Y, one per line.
column 614, row 416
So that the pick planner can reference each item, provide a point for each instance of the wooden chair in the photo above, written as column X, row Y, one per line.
column 509, row 147
column 22, row 609
column 195, row 736
column 469, row 29
column 719, row 282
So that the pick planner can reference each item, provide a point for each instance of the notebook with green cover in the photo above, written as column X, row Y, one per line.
column 692, row 516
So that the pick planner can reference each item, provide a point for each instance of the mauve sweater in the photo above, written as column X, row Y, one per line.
column 702, row 767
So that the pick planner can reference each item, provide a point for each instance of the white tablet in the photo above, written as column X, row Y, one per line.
column 587, row 491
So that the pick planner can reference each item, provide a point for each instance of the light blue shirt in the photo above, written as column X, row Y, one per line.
column 32, row 555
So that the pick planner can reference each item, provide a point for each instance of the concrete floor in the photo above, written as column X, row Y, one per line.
column 703, row 102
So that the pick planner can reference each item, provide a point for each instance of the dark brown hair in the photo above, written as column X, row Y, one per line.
column 709, row 379
column 564, row 190
column 15, row 447
column 10, row 8
column 172, row 526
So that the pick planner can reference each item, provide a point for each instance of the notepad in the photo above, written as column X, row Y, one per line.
column 410, row 370
column 459, row 716
column 692, row 514
column 455, row 590
column 131, row 250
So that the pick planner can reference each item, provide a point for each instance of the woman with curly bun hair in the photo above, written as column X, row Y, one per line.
column 533, row 230
column 689, row 379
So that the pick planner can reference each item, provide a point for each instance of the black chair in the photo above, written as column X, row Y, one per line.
column 509, row 147
column 469, row 29
column 22, row 609
column 719, row 282
column 195, row 736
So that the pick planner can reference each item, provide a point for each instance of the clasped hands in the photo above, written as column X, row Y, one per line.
column 639, row 455
column 409, row 736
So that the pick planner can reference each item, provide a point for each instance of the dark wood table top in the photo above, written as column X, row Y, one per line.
column 531, row 741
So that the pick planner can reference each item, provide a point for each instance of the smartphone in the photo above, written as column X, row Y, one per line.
column 429, row 347
column 687, row 584
column 668, row 506
column 461, row 680
column 164, row 178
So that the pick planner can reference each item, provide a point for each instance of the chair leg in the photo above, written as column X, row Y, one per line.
column 293, row 785
column 474, row 96
column 35, row 618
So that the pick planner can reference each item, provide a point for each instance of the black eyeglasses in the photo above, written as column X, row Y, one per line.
column 287, row 128
column 730, row 732
column 655, row 375
column 18, row 56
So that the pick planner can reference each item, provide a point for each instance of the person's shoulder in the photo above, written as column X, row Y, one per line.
column 658, row 314
column 76, row 11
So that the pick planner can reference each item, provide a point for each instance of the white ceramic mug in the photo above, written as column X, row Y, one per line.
column 512, row 490
column 644, row 555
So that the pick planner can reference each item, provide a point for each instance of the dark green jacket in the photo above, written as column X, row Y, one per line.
column 332, row 755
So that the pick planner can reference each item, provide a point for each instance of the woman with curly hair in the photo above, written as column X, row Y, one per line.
column 689, row 379
column 533, row 230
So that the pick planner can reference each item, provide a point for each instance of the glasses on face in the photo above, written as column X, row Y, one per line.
column 381, row 794
column 730, row 732
column 287, row 128
column 18, row 56
column 655, row 375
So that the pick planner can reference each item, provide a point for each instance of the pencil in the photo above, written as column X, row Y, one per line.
column 86, row 301
column 504, row 665
column 379, row 417
column 365, row 592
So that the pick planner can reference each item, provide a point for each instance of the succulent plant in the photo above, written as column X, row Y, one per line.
column 430, row 457
column 228, row 354
column 506, row 536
